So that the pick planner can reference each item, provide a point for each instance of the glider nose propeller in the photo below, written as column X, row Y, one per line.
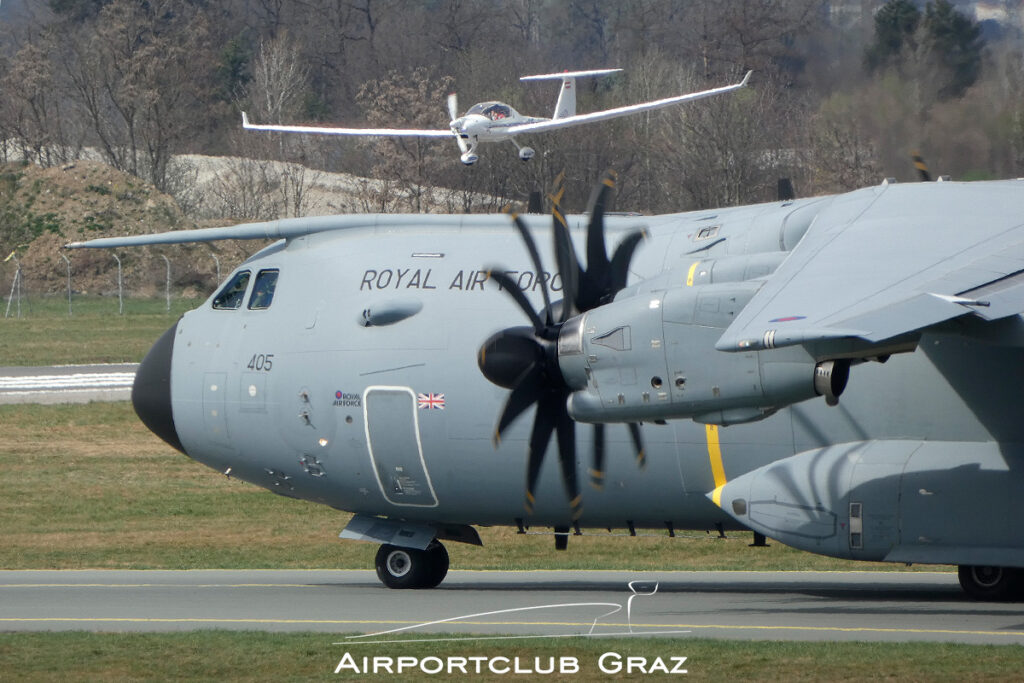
column 525, row 359
column 458, row 127
column 151, row 391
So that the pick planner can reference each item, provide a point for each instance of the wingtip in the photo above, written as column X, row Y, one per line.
column 245, row 120
column 746, row 78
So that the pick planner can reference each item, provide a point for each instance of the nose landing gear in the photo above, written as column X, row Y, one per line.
column 411, row 568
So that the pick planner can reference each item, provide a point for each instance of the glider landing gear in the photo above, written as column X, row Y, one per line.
column 991, row 583
column 411, row 568
column 525, row 153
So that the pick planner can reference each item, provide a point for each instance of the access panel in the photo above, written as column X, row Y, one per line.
column 396, row 454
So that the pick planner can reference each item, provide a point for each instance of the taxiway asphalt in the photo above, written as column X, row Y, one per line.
column 817, row 606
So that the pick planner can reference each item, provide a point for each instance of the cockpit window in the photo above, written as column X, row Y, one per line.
column 263, row 290
column 233, row 294
column 495, row 111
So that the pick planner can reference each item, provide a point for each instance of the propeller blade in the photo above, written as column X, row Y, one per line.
column 638, row 443
column 597, row 254
column 922, row 168
column 597, row 471
column 527, row 391
column 531, row 246
column 785, row 191
column 620, row 261
column 453, row 114
column 543, row 425
column 517, row 294
column 567, row 457
column 568, row 266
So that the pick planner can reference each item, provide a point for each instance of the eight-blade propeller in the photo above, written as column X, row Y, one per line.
column 525, row 359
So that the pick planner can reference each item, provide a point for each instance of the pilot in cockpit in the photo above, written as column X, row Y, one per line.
column 496, row 112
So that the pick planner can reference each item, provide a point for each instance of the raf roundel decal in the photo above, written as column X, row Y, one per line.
column 342, row 399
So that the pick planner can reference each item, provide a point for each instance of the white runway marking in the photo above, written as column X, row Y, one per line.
column 67, row 384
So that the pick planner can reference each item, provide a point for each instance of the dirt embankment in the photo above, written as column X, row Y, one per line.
column 41, row 209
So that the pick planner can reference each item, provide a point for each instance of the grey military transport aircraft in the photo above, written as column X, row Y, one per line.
column 840, row 373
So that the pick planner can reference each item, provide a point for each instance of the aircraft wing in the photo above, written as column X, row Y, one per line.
column 592, row 117
column 327, row 130
column 890, row 261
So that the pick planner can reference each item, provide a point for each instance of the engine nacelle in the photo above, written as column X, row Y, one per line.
column 651, row 356
column 936, row 502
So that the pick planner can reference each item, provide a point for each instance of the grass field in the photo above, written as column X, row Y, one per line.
column 256, row 656
column 94, row 333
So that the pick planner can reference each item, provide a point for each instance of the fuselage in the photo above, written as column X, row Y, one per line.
column 357, row 385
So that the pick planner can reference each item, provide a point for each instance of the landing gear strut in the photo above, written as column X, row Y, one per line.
column 991, row 583
column 411, row 568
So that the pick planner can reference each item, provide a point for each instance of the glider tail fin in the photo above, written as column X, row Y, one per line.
column 566, row 105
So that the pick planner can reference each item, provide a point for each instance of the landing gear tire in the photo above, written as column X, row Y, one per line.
column 526, row 153
column 411, row 568
column 437, row 561
column 991, row 583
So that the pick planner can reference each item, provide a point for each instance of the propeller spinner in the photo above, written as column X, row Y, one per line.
column 525, row 359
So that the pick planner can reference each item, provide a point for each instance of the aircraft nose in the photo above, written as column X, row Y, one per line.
column 151, row 392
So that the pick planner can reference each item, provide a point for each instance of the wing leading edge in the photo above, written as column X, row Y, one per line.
column 890, row 261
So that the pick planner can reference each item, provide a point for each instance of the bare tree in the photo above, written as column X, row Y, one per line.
column 279, row 85
column 138, row 74
column 32, row 111
column 408, row 101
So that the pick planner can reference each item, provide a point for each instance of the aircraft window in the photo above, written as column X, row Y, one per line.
column 233, row 293
column 263, row 290
column 497, row 112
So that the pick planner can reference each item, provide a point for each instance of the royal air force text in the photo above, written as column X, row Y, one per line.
column 464, row 280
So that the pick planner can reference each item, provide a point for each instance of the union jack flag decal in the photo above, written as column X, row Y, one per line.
column 430, row 401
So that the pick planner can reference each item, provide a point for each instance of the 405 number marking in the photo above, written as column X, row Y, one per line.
column 261, row 362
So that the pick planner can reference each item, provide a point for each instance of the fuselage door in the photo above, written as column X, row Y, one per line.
column 393, row 440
